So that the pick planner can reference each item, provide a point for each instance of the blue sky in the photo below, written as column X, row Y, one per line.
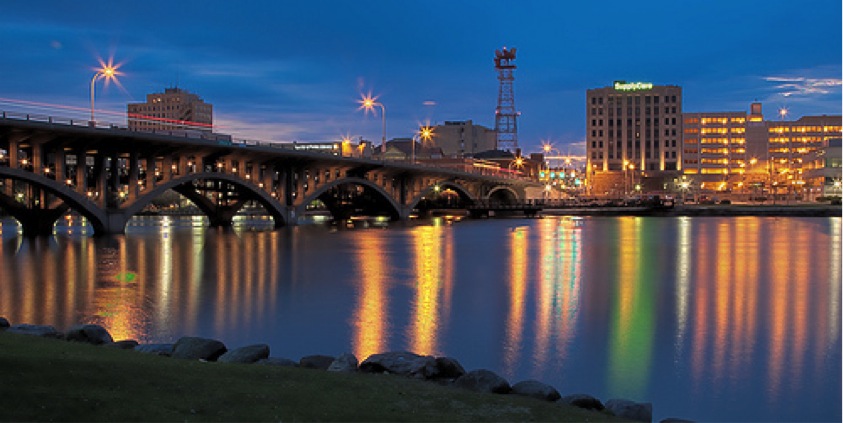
column 284, row 71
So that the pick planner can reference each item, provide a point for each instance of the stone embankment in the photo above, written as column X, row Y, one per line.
column 442, row 370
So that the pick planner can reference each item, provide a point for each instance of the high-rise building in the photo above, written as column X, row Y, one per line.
column 174, row 109
column 636, row 125
column 463, row 138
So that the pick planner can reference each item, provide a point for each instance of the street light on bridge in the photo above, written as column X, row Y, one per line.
column 425, row 133
column 368, row 103
column 107, row 71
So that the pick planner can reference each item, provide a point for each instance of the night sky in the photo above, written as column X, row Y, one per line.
column 284, row 71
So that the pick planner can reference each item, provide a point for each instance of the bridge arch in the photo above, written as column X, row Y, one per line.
column 76, row 201
column 272, row 205
column 459, row 189
column 394, row 209
column 503, row 194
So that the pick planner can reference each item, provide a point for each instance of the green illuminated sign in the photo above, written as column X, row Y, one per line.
column 633, row 86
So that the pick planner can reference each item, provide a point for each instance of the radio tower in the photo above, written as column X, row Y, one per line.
column 506, row 128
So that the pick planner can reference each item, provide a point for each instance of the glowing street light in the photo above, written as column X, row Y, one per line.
column 368, row 103
column 425, row 133
column 106, row 71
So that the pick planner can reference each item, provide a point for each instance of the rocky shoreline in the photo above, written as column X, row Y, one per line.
column 442, row 370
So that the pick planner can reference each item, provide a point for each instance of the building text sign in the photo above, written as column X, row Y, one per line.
column 633, row 86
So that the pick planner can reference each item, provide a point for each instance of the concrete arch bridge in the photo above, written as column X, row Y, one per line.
column 50, row 166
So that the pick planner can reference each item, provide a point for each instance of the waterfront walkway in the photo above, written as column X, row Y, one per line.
column 815, row 210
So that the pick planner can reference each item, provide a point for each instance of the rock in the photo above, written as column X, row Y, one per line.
column 276, row 361
column 483, row 381
column 321, row 362
column 157, row 349
column 401, row 363
column 247, row 355
column 126, row 344
column 583, row 401
column 536, row 389
column 195, row 348
column 448, row 368
column 4, row 324
column 44, row 331
column 345, row 363
column 92, row 334
column 640, row 411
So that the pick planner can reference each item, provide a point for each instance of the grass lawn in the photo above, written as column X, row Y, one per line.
column 47, row 380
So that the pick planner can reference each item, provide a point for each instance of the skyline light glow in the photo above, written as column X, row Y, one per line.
column 296, row 71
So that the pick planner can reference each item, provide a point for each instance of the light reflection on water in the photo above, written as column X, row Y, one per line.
column 708, row 318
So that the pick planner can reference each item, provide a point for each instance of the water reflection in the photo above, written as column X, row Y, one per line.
column 517, row 284
column 688, row 313
column 370, row 323
column 632, row 326
column 433, row 257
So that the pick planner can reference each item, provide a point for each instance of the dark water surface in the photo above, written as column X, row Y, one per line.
column 708, row 318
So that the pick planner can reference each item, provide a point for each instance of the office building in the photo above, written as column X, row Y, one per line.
column 633, row 132
column 174, row 109
column 637, row 124
column 463, row 138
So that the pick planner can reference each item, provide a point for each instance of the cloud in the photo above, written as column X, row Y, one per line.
column 801, row 86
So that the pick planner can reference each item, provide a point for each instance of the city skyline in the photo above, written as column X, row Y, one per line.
column 296, row 72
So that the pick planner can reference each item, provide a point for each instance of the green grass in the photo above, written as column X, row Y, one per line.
column 49, row 380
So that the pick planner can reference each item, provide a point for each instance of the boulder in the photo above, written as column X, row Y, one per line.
column 246, row 355
column 4, row 324
column 585, row 401
column 195, row 348
column 45, row 331
column 536, row 389
column 125, row 344
column 640, row 411
column 320, row 362
column 483, row 381
column 157, row 349
column 401, row 363
column 277, row 361
column 345, row 363
column 448, row 368
column 91, row 334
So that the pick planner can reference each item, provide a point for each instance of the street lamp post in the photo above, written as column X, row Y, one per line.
column 368, row 103
column 106, row 71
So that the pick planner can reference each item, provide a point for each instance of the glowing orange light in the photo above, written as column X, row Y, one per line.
column 368, row 103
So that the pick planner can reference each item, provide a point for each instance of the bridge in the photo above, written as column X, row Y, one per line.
column 108, row 173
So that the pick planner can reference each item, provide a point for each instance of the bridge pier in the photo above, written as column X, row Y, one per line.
column 39, row 222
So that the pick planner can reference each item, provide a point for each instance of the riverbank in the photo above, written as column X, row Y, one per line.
column 48, row 380
column 794, row 210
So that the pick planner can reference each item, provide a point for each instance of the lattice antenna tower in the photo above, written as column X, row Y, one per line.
column 506, row 126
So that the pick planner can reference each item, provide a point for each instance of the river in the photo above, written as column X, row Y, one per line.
column 708, row 318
